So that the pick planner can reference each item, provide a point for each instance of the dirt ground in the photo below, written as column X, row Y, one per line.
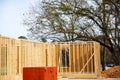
column 113, row 72
column 109, row 74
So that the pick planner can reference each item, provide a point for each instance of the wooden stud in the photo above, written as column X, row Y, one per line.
column 69, row 57
column 23, row 53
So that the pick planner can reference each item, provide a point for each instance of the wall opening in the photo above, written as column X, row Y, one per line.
column 64, row 58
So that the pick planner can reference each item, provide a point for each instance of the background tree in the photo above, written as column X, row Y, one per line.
column 46, row 21
column 22, row 37
column 69, row 20
column 43, row 40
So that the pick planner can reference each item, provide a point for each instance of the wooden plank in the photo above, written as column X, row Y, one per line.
column 37, row 55
column 85, row 57
column 33, row 54
column 46, row 55
column 92, row 60
column 54, row 55
column 42, row 55
column 8, row 58
column 60, row 58
column 28, row 54
column 89, row 55
column 82, row 56
column 50, row 57
column 65, row 56
column 23, row 54
column 74, row 58
column 20, row 69
column 57, row 56
column 99, row 61
column 96, row 59
column 80, row 76
column 69, row 57
column 78, row 57
column 13, row 57
column 97, row 50
column 17, row 60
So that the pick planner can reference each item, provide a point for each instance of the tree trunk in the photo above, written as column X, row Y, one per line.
column 103, row 59
column 115, row 57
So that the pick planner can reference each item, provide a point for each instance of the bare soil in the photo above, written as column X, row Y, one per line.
column 113, row 72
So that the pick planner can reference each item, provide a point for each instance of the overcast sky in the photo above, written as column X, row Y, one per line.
column 11, row 17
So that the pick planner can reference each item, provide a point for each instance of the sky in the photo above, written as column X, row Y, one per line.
column 11, row 17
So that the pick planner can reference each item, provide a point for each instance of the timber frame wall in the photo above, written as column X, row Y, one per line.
column 73, row 60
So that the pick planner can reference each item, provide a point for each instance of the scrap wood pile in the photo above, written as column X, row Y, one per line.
column 113, row 72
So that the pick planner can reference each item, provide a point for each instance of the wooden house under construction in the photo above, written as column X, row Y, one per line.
column 73, row 60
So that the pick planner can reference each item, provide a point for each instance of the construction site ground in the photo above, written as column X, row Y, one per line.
column 112, row 73
column 91, row 79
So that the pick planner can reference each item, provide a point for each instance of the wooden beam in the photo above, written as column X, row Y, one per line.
column 83, row 76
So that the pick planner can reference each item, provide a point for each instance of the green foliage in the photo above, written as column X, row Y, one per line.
column 44, row 40
column 22, row 37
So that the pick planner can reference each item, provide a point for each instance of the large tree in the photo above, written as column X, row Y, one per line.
column 46, row 20
column 69, row 20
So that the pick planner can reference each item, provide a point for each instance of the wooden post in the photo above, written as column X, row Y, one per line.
column 0, row 55
column 97, row 58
